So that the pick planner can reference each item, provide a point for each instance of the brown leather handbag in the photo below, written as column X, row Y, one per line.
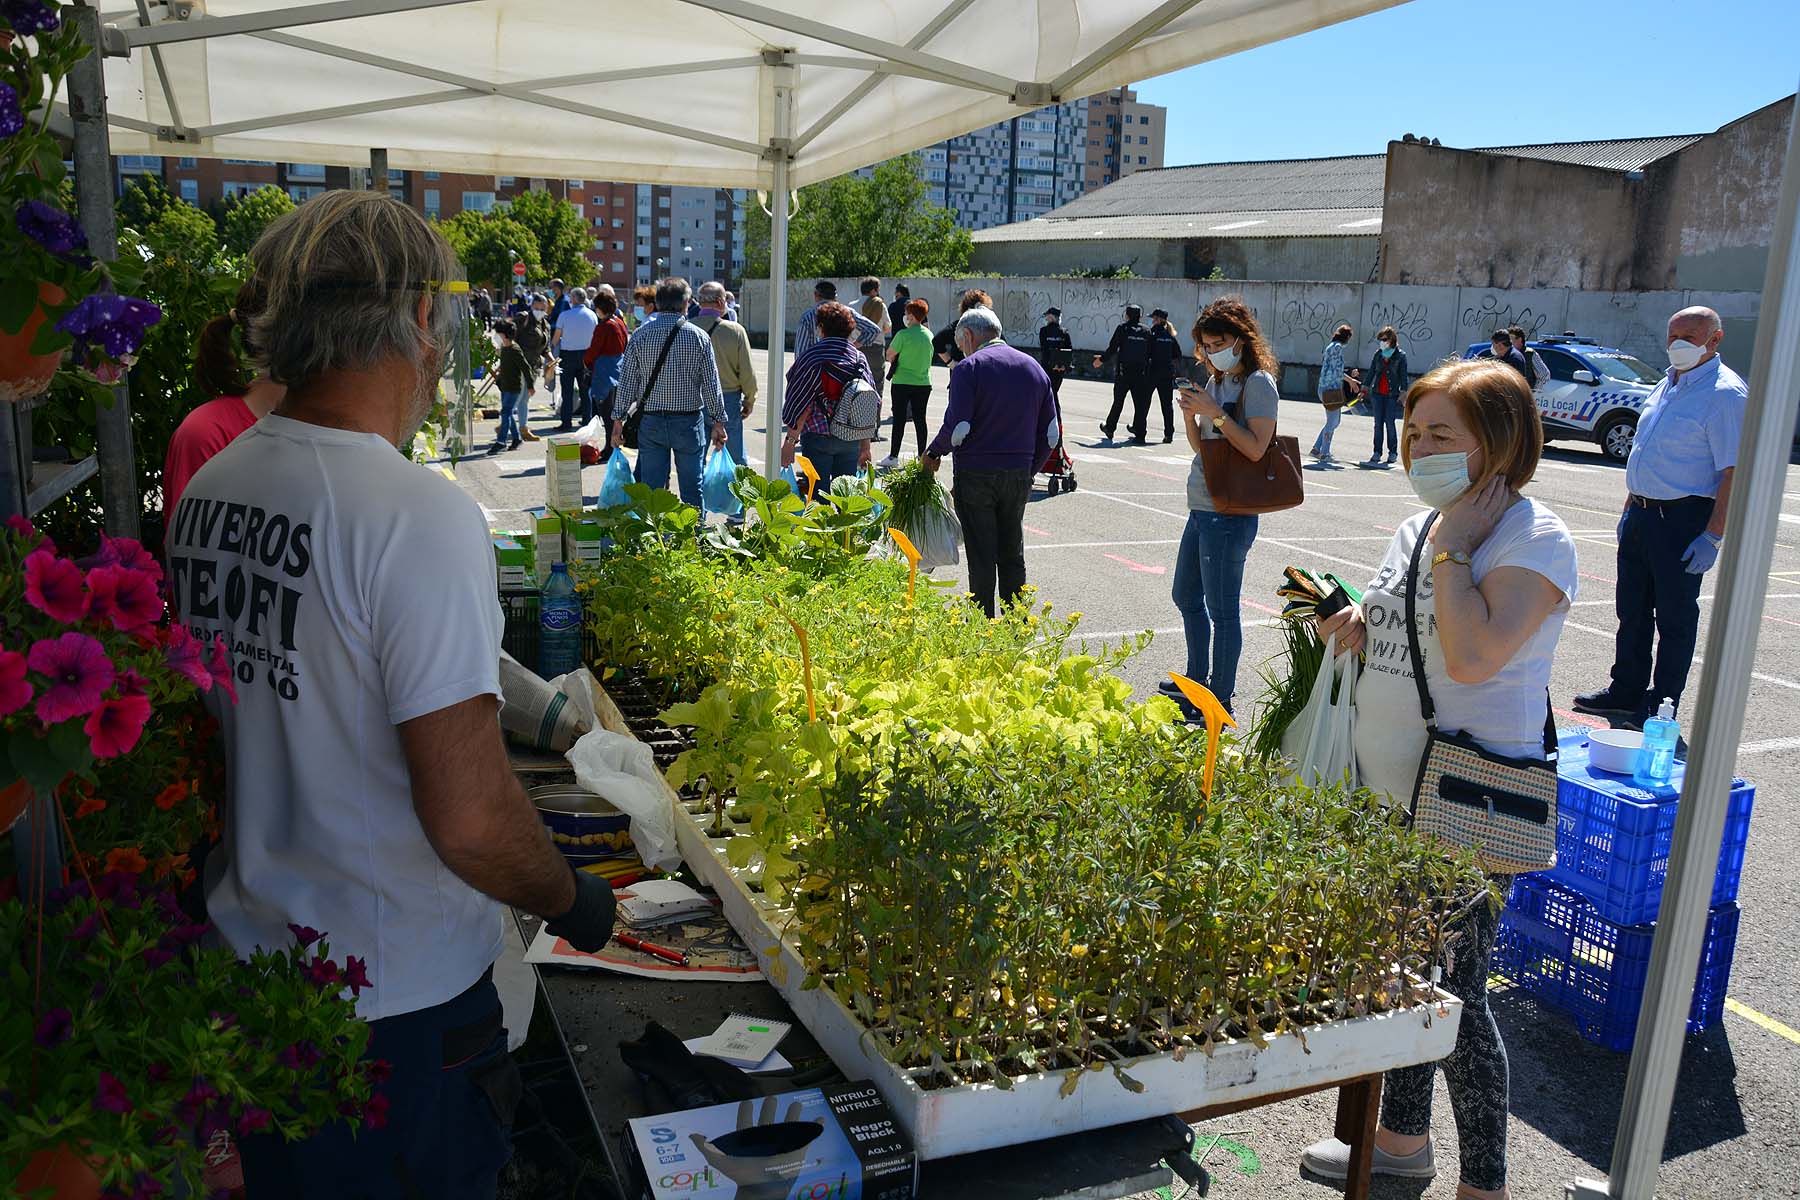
column 1240, row 487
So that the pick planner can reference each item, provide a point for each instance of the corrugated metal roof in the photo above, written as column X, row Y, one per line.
column 1298, row 222
column 1355, row 181
column 1623, row 154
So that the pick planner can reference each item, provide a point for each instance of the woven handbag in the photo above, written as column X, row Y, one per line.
column 1502, row 808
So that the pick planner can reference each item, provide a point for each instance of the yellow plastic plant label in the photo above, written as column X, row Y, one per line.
column 804, row 465
column 912, row 560
column 812, row 713
column 1216, row 720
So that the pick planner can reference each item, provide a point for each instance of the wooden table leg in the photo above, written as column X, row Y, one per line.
column 1358, row 1113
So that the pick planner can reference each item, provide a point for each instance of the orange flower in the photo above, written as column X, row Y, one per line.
column 128, row 859
column 176, row 863
column 90, row 804
column 172, row 795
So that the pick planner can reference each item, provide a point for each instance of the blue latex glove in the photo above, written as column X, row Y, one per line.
column 1701, row 555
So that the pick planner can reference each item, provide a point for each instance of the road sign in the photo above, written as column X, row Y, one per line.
column 519, row 269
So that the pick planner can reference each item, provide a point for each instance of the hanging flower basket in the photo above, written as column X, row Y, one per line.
column 22, row 373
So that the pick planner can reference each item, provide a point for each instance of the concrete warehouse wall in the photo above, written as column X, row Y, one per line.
column 1265, row 259
column 1433, row 322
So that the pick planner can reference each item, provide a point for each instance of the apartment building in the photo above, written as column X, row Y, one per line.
column 1124, row 135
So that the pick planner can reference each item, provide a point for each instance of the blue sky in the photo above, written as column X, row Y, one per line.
column 1486, row 74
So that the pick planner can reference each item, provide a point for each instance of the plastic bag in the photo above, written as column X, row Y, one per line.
column 621, row 769
column 612, row 485
column 1321, row 740
column 793, row 480
column 716, row 483
column 934, row 534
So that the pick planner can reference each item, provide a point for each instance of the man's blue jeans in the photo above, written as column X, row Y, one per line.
column 575, row 400
column 510, row 418
column 1209, row 586
column 666, row 435
column 830, row 457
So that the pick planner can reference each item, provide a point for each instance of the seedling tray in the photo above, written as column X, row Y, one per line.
column 948, row 1121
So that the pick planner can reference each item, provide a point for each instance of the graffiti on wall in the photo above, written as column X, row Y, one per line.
column 1021, row 309
column 1302, row 320
column 1493, row 311
column 1412, row 321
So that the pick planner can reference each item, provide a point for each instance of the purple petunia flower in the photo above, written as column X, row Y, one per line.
column 53, row 1028
column 50, row 227
column 29, row 17
column 116, row 324
column 154, row 958
column 110, row 1096
column 12, row 117
column 78, row 672
column 356, row 974
column 186, row 656
column 304, row 935
column 86, row 928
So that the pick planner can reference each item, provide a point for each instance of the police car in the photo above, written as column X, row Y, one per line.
column 1595, row 393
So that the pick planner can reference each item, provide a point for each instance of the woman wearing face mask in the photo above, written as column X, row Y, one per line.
column 1385, row 384
column 1239, row 406
column 909, row 367
column 1495, row 581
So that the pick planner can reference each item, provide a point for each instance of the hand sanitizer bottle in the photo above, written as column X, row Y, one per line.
column 1656, row 760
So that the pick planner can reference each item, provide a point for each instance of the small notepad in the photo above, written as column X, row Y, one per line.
column 744, row 1041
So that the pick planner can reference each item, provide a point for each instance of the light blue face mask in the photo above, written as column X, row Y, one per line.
column 1440, row 479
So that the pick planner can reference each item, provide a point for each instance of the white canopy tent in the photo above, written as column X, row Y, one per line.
column 731, row 93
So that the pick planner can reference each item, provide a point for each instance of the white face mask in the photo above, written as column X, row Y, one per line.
column 1684, row 355
column 1440, row 479
column 1224, row 360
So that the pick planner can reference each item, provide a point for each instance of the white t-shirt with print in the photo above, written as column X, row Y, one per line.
column 1505, row 713
column 358, row 592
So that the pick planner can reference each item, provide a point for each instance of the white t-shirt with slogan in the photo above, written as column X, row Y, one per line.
column 358, row 592
column 1505, row 713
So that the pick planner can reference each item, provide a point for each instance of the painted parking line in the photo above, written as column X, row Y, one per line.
column 1109, row 544
column 1142, row 568
column 1760, row 1020
column 1181, row 461
column 1770, row 745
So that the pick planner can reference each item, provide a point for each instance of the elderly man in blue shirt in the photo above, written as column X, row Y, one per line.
column 1678, row 480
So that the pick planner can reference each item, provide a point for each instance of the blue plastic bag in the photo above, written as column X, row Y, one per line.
column 612, row 486
column 793, row 480
column 716, row 482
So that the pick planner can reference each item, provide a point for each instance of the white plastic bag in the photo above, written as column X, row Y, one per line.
column 621, row 769
column 1322, row 738
column 934, row 535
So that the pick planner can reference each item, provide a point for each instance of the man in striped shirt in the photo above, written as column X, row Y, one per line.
column 682, row 399
column 866, row 336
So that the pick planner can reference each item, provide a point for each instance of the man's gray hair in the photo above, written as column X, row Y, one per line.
column 981, row 322
column 672, row 294
column 344, row 275
column 711, row 294
column 577, row 295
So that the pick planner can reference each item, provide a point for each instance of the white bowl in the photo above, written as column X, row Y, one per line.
column 1615, row 750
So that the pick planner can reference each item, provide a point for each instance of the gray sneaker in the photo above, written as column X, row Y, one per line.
column 1330, row 1159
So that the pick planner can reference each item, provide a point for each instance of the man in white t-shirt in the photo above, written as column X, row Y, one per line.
column 370, row 797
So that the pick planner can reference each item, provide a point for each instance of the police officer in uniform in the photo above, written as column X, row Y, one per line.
column 1130, row 352
column 1165, row 355
column 1056, row 349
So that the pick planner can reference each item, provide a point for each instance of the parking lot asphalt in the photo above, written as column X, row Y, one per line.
column 1108, row 550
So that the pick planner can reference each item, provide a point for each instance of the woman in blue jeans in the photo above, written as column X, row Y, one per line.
column 1237, row 406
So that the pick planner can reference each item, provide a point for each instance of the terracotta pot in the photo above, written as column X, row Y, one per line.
column 62, row 1170
column 22, row 373
column 13, row 799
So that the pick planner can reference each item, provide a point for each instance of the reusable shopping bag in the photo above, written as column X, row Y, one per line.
column 612, row 484
column 1321, row 740
column 716, row 482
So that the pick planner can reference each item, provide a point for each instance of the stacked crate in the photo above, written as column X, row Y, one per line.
column 1578, row 936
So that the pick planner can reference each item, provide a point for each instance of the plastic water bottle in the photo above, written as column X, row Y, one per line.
column 559, row 625
column 1656, row 759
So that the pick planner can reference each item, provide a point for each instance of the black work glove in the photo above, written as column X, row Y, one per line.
column 588, row 924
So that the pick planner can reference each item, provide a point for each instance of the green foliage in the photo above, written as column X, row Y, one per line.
column 561, row 235
column 1124, row 272
column 247, row 216
column 882, row 225
column 144, row 201
column 1066, row 895
column 486, row 244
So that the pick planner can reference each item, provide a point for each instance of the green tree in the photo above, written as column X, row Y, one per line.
column 247, row 216
column 486, row 243
column 562, row 236
column 881, row 225
column 144, row 201
column 183, row 231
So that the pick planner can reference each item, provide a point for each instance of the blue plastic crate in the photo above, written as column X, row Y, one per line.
column 1613, row 837
column 1554, row 944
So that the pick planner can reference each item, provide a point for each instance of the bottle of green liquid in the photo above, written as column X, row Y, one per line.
column 1656, row 758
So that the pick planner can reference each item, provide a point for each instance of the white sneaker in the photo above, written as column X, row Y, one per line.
column 887, row 464
column 1330, row 1159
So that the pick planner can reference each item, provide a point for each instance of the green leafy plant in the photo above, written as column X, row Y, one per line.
column 883, row 223
column 562, row 237
column 245, row 217
column 486, row 243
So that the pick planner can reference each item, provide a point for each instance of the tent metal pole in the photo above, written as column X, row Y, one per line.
column 918, row 41
column 378, row 170
column 196, row 29
column 782, row 80
column 1724, row 686
column 94, row 204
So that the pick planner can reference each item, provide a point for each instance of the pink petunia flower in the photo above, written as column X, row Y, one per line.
column 53, row 1028
column 305, row 935
column 111, row 1095
column 220, row 667
column 323, row 973
column 79, row 673
column 55, row 587
column 356, row 974
column 125, row 597
column 15, row 689
column 254, row 1120
column 115, row 727
column 22, row 527
column 375, row 1112
column 127, row 553
column 186, row 656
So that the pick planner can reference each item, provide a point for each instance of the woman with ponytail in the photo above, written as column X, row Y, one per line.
column 239, row 399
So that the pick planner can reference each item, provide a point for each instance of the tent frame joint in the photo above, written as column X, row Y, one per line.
column 114, row 43
column 172, row 133
column 1035, row 95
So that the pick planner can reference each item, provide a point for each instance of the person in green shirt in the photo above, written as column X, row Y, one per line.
column 909, row 367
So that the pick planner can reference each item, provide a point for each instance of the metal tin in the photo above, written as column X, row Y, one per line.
column 582, row 824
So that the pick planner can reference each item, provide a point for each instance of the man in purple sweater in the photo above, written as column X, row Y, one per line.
column 1000, row 425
